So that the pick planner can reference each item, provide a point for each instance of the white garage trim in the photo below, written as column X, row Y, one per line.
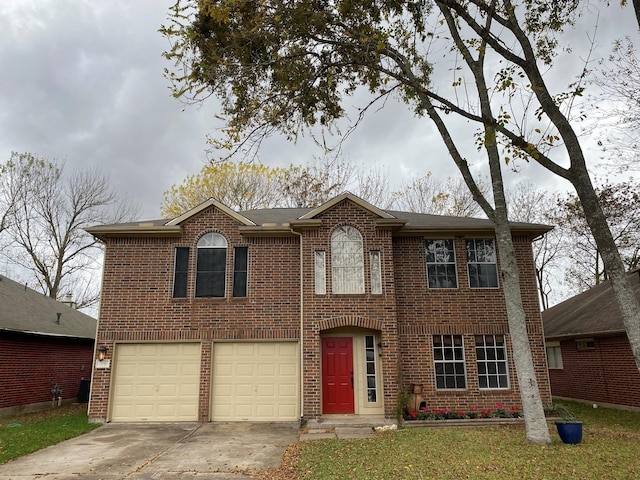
column 155, row 382
column 255, row 381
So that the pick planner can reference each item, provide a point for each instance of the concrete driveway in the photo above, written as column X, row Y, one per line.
column 215, row 451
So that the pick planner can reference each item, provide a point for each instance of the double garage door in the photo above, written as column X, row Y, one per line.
column 161, row 382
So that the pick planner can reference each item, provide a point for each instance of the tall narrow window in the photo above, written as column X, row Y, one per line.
column 448, row 355
column 491, row 358
column 347, row 262
column 181, row 272
column 370, row 365
column 320, row 266
column 482, row 263
column 240, row 261
column 441, row 264
column 376, row 272
column 211, row 266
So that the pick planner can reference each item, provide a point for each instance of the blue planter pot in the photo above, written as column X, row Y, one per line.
column 570, row 432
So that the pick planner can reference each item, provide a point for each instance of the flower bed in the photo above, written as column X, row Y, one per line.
column 430, row 414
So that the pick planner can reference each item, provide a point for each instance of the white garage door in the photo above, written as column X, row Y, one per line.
column 255, row 382
column 156, row 382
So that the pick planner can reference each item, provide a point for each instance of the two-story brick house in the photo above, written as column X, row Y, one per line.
column 279, row 314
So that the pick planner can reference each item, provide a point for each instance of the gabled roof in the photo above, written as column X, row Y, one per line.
column 206, row 204
column 594, row 312
column 26, row 311
column 280, row 221
column 345, row 196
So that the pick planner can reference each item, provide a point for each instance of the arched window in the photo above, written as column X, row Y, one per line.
column 211, row 265
column 347, row 260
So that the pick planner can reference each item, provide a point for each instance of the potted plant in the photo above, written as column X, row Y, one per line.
column 569, row 427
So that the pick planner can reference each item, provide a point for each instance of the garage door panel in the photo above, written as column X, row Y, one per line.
column 156, row 382
column 248, row 379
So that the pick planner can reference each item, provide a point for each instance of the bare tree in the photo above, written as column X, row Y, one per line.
column 619, row 104
column 429, row 195
column 621, row 204
column 528, row 204
column 46, row 226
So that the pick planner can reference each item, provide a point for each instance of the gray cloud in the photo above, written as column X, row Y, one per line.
column 82, row 81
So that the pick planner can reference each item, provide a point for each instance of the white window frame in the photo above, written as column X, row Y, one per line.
column 320, row 271
column 440, row 259
column 347, row 261
column 494, row 356
column 554, row 356
column 478, row 252
column 370, row 368
column 375, row 267
column 456, row 359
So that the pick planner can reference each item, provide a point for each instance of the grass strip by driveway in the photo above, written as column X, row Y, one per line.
column 27, row 433
column 610, row 450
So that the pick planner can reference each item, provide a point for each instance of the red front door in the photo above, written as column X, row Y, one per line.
column 337, row 375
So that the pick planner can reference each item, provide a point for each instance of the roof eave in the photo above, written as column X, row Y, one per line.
column 572, row 335
column 105, row 232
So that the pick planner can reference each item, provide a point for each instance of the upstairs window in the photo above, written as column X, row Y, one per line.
column 320, row 272
column 181, row 272
column 347, row 261
column 240, row 264
column 441, row 264
column 211, row 265
column 482, row 264
column 376, row 272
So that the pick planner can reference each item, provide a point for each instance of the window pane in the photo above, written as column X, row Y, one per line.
column 448, row 354
column 347, row 265
column 181, row 272
column 491, row 361
column 441, row 264
column 376, row 273
column 481, row 263
column 211, row 265
column 240, row 263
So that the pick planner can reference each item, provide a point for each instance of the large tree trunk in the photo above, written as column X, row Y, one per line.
column 537, row 431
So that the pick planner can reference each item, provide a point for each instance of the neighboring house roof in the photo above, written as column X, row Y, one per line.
column 26, row 311
column 281, row 220
column 594, row 312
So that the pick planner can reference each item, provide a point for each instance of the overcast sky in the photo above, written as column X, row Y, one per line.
column 82, row 82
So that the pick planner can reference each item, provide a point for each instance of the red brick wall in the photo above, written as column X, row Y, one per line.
column 606, row 373
column 324, row 312
column 30, row 364
column 136, row 305
column 424, row 312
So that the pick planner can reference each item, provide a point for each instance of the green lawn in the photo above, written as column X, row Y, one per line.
column 30, row 432
column 610, row 450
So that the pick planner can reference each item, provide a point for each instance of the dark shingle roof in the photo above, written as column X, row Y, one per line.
column 281, row 218
column 592, row 312
column 25, row 310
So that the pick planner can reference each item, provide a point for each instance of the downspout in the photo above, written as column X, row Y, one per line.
column 301, row 327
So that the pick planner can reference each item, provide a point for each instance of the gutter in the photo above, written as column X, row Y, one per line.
column 46, row 334
column 301, row 349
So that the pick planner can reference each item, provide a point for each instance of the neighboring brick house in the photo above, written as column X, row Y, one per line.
column 588, row 351
column 42, row 342
column 289, row 313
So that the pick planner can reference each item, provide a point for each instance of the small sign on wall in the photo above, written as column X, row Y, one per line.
column 101, row 364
